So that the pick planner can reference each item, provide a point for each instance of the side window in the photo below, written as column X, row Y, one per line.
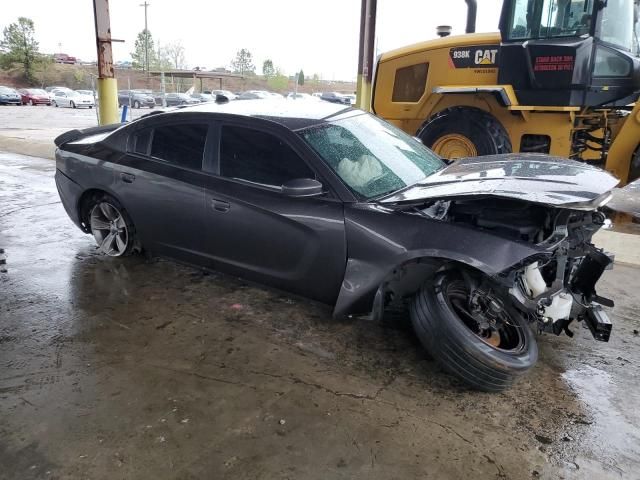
column 182, row 144
column 140, row 141
column 259, row 157
column 410, row 83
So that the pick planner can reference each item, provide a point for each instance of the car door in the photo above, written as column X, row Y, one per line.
column 252, row 229
column 161, row 184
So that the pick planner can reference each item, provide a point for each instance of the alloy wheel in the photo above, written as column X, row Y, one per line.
column 492, row 324
column 109, row 229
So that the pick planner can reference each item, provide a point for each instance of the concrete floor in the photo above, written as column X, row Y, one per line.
column 134, row 369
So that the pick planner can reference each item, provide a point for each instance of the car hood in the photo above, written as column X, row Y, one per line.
column 534, row 178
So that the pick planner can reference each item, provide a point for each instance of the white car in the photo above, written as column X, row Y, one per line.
column 91, row 93
column 50, row 91
column 226, row 93
column 71, row 99
column 301, row 96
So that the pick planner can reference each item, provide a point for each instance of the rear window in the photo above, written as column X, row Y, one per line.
column 181, row 145
column 141, row 141
column 410, row 83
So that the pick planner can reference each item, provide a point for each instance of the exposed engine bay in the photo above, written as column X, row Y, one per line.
column 555, row 287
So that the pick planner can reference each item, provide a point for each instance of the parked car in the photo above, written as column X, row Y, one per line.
column 64, row 58
column 254, row 95
column 71, row 99
column 224, row 93
column 300, row 96
column 175, row 99
column 202, row 97
column 9, row 96
column 91, row 93
column 335, row 97
column 34, row 96
column 337, row 205
column 51, row 89
column 136, row 98
column 351, row 97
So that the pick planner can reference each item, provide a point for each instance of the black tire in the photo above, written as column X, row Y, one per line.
column 458, row 349
column 136, row 104
column 482, row 129
column 634, row 167
column 54, row 103
column 132, row 244
column 72, row 104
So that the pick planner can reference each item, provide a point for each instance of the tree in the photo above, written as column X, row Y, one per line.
column 243, row 63
column 268, row 69
column 175, row 54
column 138, row 56
column 278, row 81
column 301, row 78
column 20, row 46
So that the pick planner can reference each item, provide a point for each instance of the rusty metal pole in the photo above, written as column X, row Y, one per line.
column 107, row 83
column 366, row 53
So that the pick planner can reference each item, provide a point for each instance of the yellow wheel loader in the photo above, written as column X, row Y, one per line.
column 561, row 77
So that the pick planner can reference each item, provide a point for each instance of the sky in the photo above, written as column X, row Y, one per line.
column 319, row 37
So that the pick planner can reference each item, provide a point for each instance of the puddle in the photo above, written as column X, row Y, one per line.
column 612, row 443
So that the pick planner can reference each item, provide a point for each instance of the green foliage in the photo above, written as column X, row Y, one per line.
column 42, row 70
column 138, row 55
column 243, row 63
column 301, row 78
column 268, row 70
column 20, row 46
column 278, row 81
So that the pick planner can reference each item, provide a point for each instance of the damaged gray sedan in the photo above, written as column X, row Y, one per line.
column 336, row 205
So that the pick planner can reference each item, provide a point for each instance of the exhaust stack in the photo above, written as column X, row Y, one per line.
column 472, row 9
column 443, row 30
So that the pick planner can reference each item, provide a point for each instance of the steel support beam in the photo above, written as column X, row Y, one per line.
column 107, row 83
column 366, row 53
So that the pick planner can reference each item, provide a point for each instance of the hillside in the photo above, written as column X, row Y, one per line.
column 80, row 77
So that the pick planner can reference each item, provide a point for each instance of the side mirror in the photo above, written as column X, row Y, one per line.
column 302, row 187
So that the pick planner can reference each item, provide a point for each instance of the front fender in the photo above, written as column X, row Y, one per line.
column 380, row 240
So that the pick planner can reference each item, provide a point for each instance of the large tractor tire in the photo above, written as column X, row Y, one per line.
column 634, row 168
column 459, row 132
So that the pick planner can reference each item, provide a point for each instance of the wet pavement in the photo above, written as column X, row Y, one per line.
column 130, row 368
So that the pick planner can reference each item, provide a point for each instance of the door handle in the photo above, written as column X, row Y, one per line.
column 127, row 177
column 220, row 205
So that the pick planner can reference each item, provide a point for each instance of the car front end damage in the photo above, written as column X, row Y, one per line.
column 558, row 286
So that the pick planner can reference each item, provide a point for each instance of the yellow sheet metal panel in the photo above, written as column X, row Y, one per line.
column 443, row 43
column 451, row 61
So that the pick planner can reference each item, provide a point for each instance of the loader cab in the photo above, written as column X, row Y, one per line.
column 570, row 52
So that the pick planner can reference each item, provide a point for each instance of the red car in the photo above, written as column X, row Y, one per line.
column 34, row 96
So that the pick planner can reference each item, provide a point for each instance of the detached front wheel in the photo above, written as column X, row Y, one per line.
column 474, row 335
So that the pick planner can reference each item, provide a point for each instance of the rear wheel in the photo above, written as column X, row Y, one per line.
column 111, row 226
column 474, row 335
column 465, row 132
column 31, row 103
column 72, row 104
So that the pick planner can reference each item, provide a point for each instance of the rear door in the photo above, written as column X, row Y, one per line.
column 252, row 229
column 161, row 184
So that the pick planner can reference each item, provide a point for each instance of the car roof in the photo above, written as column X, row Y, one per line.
column 293, row 115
